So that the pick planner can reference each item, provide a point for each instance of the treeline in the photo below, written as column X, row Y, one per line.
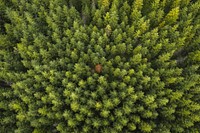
column 149, row 51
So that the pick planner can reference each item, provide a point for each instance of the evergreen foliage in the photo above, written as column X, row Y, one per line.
column 148, row 52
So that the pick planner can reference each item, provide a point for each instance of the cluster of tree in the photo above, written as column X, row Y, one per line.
column 148, row 50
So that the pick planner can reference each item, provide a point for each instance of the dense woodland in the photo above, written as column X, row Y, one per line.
column 99, row 66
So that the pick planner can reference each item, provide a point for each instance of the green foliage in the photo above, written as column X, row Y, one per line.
column 148, row 49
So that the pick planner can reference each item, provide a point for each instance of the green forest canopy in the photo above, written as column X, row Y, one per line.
column 149, row 51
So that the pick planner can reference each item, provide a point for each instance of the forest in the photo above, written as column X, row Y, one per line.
column 99, row 66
